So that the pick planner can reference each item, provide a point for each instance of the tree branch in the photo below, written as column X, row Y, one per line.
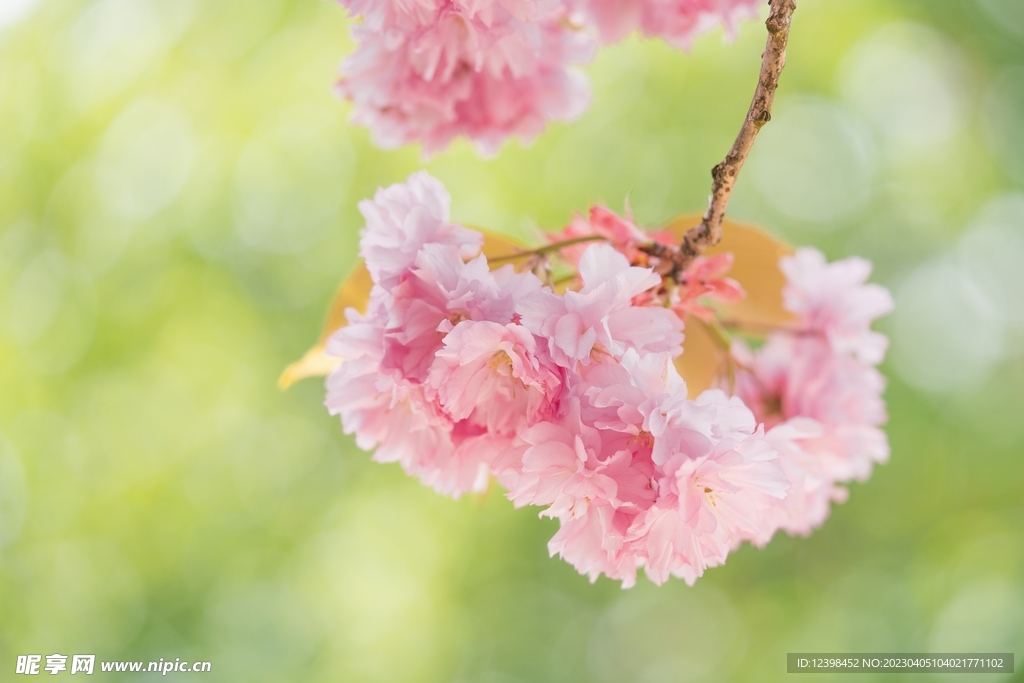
column 672, row 262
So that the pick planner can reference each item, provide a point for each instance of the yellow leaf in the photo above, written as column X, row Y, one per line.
column 497, row 245
column 756, row 267
column 700, row 362
column 354, row 292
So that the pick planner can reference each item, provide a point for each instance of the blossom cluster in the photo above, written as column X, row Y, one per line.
column 570, row 397
column 430, row 70
column 816, row 387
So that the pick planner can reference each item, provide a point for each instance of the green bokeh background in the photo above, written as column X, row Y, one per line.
column 178, row 193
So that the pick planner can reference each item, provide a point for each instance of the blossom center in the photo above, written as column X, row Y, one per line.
column 501, row 364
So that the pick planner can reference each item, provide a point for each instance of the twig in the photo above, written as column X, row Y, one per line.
column 547, row 248
column 709, row 231
column 756, row 327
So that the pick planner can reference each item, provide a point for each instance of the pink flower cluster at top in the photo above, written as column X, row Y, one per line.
column 432, row 70
column 572, row 400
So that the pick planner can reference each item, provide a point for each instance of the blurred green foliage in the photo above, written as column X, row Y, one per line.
column 178, row 194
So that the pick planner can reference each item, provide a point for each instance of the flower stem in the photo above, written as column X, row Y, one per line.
column 719, row 334
column 756, row 328
column 547, row 248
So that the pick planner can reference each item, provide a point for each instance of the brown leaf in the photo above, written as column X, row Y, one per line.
column 699, row 364
column 756, row 267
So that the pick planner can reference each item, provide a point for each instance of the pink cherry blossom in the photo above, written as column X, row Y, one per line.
column 633, row 396
column 485, row 70
column 429, row 71
column 568, row 463
column 392, row 16
column 833, row 298
column 817, row 388
column 594, row 481
column 722, row 478
column 601, row 318
column 677, row 21
column 640, row 476
column 574, row 403
column 803, row 377
column 402, row 16
column 524, row 10
column 393, row 418
column 813, row 487
column 440, row 291
column 422, row 287
column 708, row 507
column 621, row 233
column 491, row 375
column 385, row 415
column 356, row 390
column 705, row 279
column 401, row 219
column 593, row 544
column 565, row 468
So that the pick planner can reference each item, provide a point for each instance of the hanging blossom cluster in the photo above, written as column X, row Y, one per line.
column 571, row 398
column 430, row 70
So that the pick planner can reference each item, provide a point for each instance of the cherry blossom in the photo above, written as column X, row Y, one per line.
column 403, row 218
column 677, row 21
column 484, row 70
column 493, row 376
column 600, row 318
column 429, row 71
column 705, row 279
column 817, row 386
column 672, row 484
column 834, row 299
column 571, row 398
column 620, row 232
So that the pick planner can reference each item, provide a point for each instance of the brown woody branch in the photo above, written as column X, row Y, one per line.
column 672, row 262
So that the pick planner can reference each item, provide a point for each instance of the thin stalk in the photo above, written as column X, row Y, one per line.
column 547, row 248
column 756, row 328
